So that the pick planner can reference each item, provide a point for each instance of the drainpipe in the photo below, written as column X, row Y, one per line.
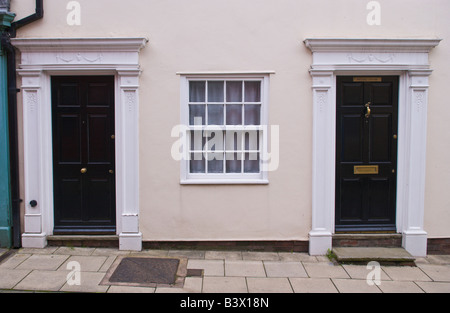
column 39, row 13
column 12, row 113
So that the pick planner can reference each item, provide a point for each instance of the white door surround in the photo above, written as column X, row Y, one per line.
column 406, row 58
column 43, row 58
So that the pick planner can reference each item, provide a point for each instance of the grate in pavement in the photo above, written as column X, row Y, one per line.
column 147, row 272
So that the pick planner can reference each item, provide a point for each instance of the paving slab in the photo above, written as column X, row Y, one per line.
column 325, row 270
column 43, row 281
column 405, row 273
column 438, row 259
column 43, row 262
column 86, row 263
column 259, row 272
column 46, row 250
column 191, row 254
column 436, row 272
column 361, row 272
column 434, row 287
column 89, row 282
column 299, row 257
column 74, row 251
column 354, row 286
column 244, row 268
column 224, row 285
column 109, row 252
column 399, row 287
column 14, row 260
column 284, row 269
column 312, row 285
column 210, row 267
column 108, row 263
column 268, row 285
column 129, row 289
column 9, row 277
column 260, row 256
column 223, row 255
column 191, row 285
column 155, row 253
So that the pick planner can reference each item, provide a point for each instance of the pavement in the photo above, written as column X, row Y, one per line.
column 52, row 270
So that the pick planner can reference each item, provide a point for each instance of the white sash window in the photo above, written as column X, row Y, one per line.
column 225, row 123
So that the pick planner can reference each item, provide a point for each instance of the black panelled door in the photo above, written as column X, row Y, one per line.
column 83, row 154
column 366, row 153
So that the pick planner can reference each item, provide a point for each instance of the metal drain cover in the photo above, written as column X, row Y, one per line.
column 149, row 272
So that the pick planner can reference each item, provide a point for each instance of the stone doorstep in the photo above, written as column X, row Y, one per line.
column 382, row 240
column 397, row 256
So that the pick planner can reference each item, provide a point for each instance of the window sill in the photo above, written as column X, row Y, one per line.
column 224, row 182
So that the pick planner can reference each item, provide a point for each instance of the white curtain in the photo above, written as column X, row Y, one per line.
column 240, row 102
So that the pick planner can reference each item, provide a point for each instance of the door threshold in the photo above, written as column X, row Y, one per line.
column 367, row 239
column 374, row 232
column 83, row 237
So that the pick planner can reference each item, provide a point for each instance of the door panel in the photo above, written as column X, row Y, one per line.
column 352, row 94
column 352, row 147
column 379, row 205
column 70, row 194
column 99, row 199
column 366, row 128
column 69, row 138
column 83, row 154
column 351, row 199
column 380, row 138
column 99, row 137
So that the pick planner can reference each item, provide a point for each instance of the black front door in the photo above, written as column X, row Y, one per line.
column 83, row 154
column 366, row 153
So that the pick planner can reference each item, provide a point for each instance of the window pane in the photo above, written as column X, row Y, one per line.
column 252, row 114
column 234, row 114
column 233, row 140
column 251, row 162
column 215, row 91
column 252, row 140
column 197, row 91
column 252, row 91
column 233, row 163
column 215, row 140
column 197, row 163
column 215, row 114
column 234, row 91
column 198, row 140
column 215, row 163
column 197, row 114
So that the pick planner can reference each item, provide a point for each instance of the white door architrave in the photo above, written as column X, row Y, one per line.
column 406, row 58
column 43, row 58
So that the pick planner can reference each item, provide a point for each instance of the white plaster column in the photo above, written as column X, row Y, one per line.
column 323, row 193
column 130, row 238
column 34, row 235
column 414, row 235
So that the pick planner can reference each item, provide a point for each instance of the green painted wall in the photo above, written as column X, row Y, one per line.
column 5, row 186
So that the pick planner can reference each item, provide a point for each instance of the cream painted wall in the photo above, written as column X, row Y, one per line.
column 238, row 35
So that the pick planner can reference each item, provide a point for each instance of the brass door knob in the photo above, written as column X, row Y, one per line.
column 83, row 171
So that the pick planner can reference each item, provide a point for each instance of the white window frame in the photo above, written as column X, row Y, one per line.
column 227, row 178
